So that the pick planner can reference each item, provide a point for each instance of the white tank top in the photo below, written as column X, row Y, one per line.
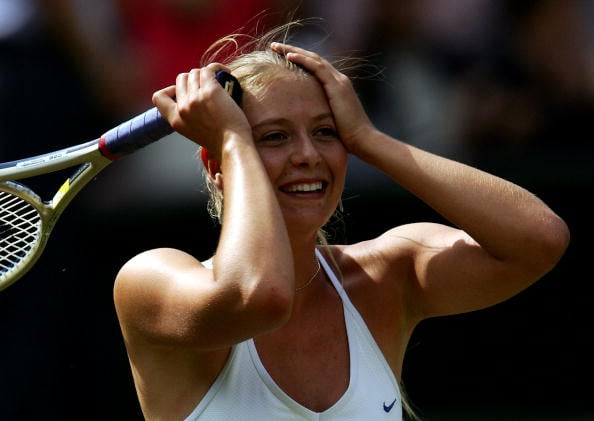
column 244, row 391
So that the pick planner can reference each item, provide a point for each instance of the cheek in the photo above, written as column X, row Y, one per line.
column 338, row 162
column 272, row 164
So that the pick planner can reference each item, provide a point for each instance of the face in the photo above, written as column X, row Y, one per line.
column 296, row 137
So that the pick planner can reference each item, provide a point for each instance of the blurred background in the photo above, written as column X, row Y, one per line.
column 504, row 85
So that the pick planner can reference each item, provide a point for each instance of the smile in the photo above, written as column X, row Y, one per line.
column 303, row 187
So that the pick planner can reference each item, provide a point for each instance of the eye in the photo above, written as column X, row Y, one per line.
column 326, row 133
column 273, row 137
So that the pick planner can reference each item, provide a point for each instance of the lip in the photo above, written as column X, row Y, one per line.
column 309, row 187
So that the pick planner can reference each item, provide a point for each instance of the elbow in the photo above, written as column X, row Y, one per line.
column 554, row 241
column 271, row 303
column 280, row 307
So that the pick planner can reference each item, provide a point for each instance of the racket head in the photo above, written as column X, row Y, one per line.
column 26, row 220
column 24, row 230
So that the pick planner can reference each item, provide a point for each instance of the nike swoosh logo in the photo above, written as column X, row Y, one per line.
column 388, row 408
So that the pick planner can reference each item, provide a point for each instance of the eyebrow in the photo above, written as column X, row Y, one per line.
column 282, row 120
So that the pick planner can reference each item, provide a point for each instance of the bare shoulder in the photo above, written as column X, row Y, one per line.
column 153, row 281
column 158, row 259
column 394, row 249
column 157, row 266
column 156, row 294
column 386, row 268
column 373, row 264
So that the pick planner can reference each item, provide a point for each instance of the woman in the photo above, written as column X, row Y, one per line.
column 277, row 325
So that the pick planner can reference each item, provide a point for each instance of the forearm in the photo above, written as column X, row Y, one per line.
column 508, row 221
column 254, row 252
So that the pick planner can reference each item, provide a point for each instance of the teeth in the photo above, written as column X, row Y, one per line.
column 304, row 187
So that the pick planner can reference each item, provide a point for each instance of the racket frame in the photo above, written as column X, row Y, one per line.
column 90, row 162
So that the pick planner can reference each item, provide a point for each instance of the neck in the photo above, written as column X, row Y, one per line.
column 305, row 261
column 317, row 269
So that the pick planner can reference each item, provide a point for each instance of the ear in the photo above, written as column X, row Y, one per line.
column 217, row 180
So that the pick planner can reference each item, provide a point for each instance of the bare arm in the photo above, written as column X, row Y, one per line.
column 502, row 239
column 168, row 297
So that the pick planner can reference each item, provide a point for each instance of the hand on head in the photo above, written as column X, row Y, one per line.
column 200, row 109
column 352, row 121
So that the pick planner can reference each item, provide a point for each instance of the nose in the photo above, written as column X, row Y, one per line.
column 305, row 152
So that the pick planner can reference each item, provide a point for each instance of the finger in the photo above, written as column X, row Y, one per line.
column 321, row 69
column 193, row 82
column 311, row 61
column 208, row 74
column 168, row 91
column 288, row 48
column 308, row 59
column 181, row 82
column 164, row 100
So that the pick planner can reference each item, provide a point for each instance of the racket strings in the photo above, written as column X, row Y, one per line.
column 20, row 225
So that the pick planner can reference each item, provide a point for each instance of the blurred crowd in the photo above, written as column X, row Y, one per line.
column 459, row 77
column 471, row 77
column 74, row 67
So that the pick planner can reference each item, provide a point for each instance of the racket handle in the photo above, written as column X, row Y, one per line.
column 150, row 126
column 134, row 134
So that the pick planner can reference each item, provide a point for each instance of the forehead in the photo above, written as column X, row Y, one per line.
column 288, row 94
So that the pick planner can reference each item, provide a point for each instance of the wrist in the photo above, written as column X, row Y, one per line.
column 362, row 142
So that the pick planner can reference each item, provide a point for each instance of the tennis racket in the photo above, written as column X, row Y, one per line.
column 26, row 221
